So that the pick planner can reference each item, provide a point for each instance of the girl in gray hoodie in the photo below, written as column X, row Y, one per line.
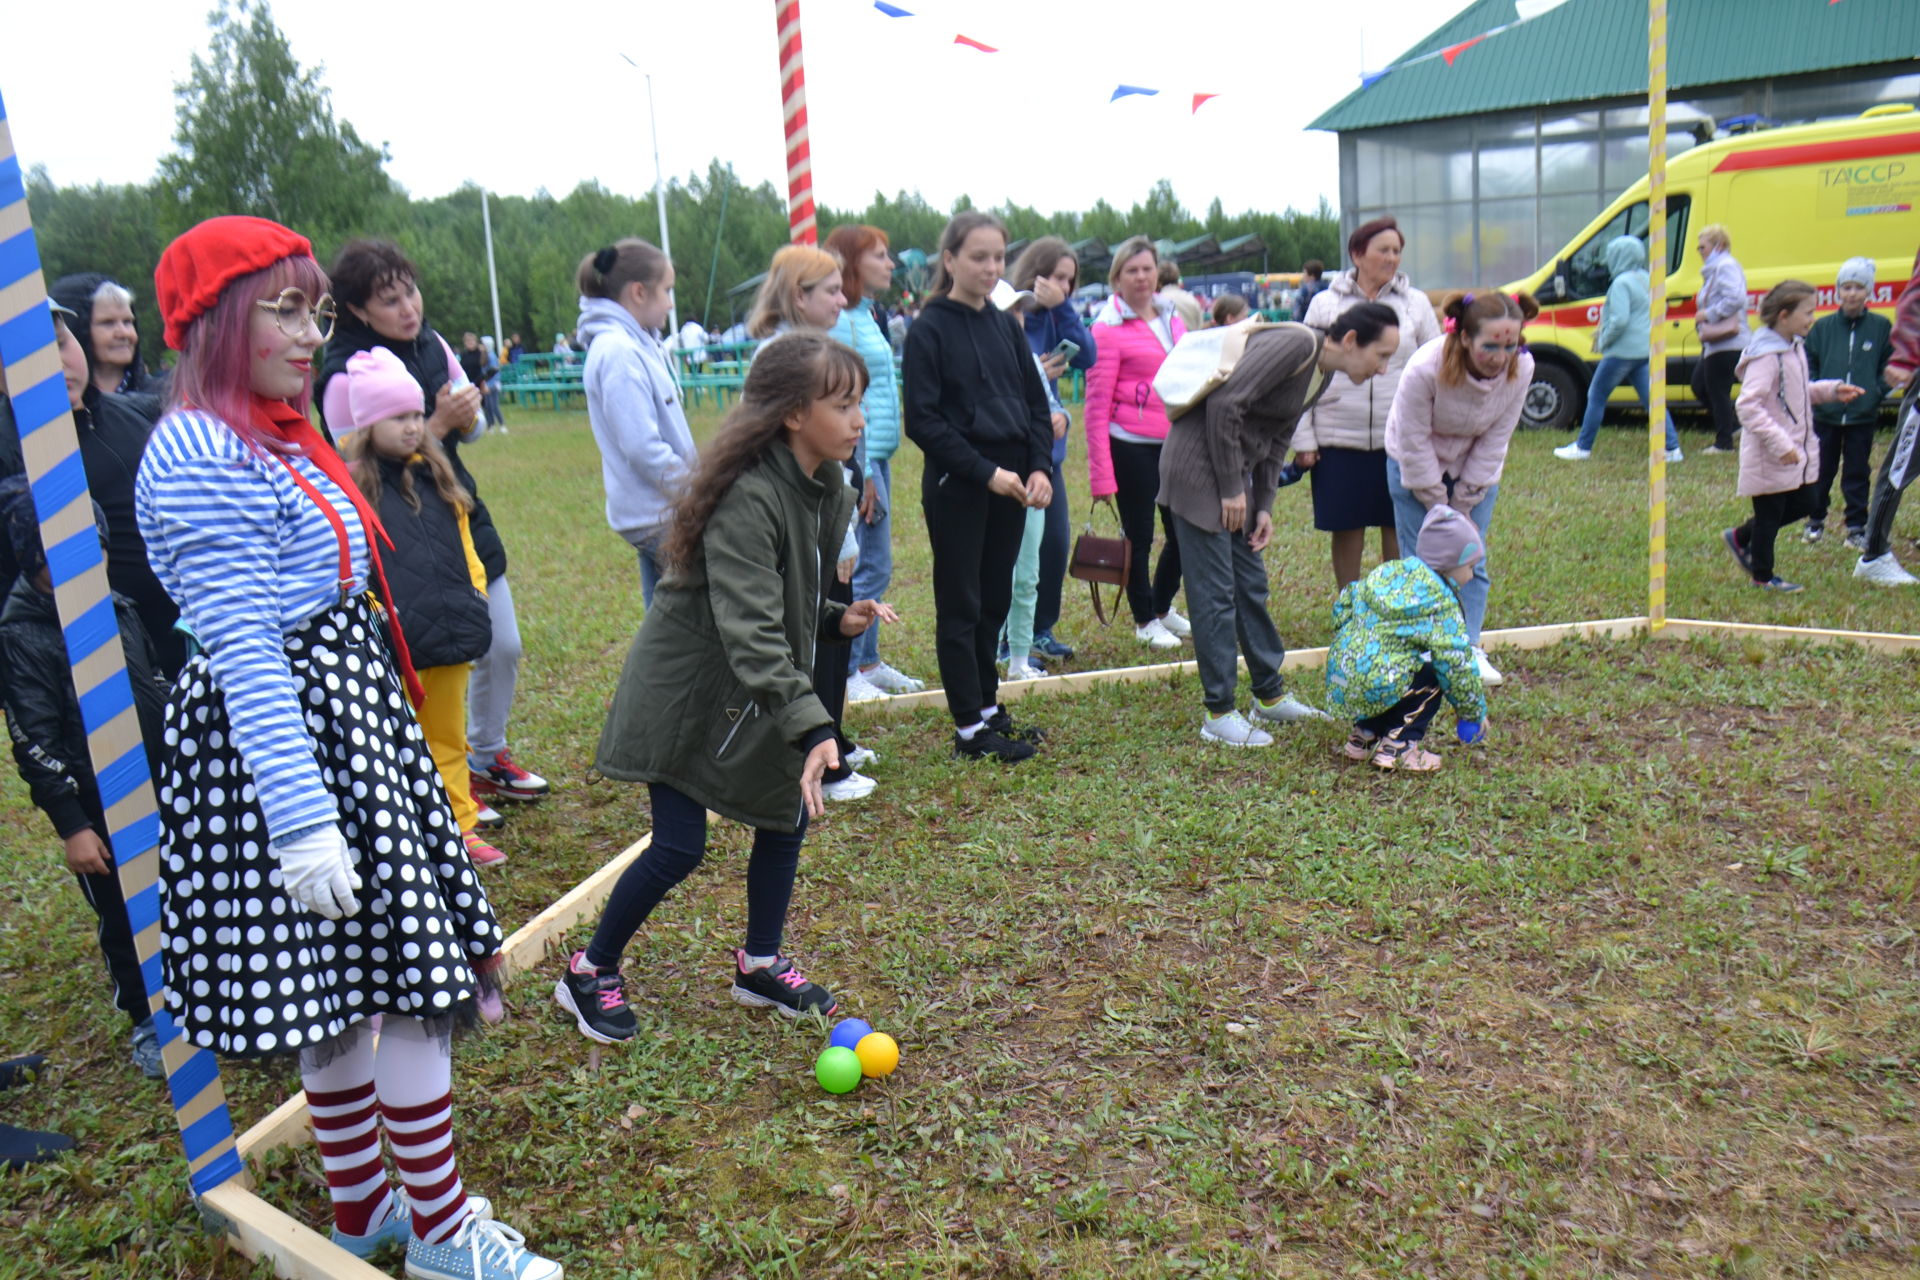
column 646, row 449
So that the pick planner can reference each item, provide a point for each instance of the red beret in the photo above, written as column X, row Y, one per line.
column 204, row 260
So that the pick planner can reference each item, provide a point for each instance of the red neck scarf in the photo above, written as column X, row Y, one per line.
column 281, row 421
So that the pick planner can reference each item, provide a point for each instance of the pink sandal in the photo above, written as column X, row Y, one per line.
column 1359, row 746
column 1406, row 757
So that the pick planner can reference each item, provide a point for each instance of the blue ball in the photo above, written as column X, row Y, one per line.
column 848, row 1033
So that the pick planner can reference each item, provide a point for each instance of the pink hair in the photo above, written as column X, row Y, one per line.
column 215, row 373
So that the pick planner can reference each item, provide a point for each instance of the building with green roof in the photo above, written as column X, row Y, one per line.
column 1493, row 155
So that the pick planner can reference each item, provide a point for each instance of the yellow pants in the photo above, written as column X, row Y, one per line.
column 443, row 719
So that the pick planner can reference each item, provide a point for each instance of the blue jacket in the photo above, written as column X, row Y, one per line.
column 646, row 449
column 881, row 404
column 1384, row 628
column 1045, row 331
column 1626, row 321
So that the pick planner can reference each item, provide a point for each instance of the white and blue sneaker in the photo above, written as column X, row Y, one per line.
column 397, row 1231
column 483, row 1250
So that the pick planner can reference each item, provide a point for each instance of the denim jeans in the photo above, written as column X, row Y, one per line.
column 1613, row 371
column 873, row 574
column 1409, row 514
column 1056, row 546
column 490, row 688
column 647, row 545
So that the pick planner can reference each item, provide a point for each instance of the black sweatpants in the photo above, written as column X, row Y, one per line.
column 1136, row 476
column 115, row 934
column 1846, row 452
column 1713, row 387
column 1771, row 513
column 1056, row 545
column 1897, row 470
column 975, row 537
column 830, row 673
column 1407, row 719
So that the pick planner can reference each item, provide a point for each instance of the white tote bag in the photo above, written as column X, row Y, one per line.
column 1202, row 360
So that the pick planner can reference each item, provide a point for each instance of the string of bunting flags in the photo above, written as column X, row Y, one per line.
column 1119, row 91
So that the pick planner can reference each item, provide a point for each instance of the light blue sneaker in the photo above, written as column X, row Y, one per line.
column 397, row 1231
column 483, row 1250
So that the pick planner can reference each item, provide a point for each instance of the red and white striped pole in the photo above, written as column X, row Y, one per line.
column 793, row 100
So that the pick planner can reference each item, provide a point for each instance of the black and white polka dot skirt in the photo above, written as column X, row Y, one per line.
column 249, row 972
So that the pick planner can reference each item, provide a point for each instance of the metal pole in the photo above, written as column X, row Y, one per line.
column 660, row 199
column 493, row 281
column 1657, row 347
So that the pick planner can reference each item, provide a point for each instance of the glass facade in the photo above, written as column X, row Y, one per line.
column 1486, row 199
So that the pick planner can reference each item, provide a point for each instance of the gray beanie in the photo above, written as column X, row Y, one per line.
column 1448, row 540
column 1855, row 271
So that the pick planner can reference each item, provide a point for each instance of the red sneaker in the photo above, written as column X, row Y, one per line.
column 502, row 779
column 479, row 852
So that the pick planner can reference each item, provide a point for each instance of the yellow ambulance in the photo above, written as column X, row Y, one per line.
column 1796, row 203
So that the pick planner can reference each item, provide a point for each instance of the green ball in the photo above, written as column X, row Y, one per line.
column 837, row 1070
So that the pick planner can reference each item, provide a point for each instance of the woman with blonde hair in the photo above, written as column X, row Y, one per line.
column 802, row 291
column 1721, row 309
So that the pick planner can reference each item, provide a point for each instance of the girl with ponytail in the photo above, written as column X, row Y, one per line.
column 1453, row 416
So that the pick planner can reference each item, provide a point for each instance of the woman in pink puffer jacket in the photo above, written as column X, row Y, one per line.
column 1127, row 425
column 1779, row 452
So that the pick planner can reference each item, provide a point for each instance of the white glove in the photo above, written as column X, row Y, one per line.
column 317, row 872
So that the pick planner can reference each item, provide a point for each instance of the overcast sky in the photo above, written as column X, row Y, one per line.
column 524, row 96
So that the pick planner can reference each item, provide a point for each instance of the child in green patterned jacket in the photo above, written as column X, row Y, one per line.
column 1400, row 646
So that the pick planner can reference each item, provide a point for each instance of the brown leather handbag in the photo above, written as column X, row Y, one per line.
column 1097, row 560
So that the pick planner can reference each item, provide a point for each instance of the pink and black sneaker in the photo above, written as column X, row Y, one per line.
column 597, row 999
column 503, row 780
column 780, row 986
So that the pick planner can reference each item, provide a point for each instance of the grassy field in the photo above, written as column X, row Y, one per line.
column 1634, row 991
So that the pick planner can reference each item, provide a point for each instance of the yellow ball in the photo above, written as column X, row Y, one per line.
column 878, row 1054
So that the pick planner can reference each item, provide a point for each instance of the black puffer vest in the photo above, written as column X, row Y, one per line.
column 445, row 617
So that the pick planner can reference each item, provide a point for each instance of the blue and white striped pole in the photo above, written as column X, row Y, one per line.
column 52, row 450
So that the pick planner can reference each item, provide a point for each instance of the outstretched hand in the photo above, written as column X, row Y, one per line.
column 862, row 614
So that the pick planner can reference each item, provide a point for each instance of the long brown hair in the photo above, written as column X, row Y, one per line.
column 1039, row 259
column 954, row 238
column 787, row 376
column 363, row 464
column 1463, row 314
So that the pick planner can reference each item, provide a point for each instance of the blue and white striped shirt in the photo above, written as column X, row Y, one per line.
column 249, row 558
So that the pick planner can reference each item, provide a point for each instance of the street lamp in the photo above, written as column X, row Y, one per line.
column 659, row 190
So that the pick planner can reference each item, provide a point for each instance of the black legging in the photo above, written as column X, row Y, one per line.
column 975, row 539
column 1056, row 544
column 1897, row 470
column 830, row 677
column 679, row 843
column 1136, row 474
column 1713, row 386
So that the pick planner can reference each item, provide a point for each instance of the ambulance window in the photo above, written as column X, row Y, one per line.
column 1587, row 275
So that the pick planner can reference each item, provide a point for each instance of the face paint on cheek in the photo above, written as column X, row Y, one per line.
column 262, row 352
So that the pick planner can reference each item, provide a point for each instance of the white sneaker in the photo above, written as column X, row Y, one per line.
column 855, row 786
column 861, row 689
column 1674, row 455
column 861, row 757
column 1884, row 572
column 889, row 680
column 1177, row 624
column 1287, row 710
column 1233, row 730
column 1572, row 453
column 1489, row 674
column 1019, row 670
column 1155, row 633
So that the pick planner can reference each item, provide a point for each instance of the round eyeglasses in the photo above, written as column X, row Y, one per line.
column 293, row 313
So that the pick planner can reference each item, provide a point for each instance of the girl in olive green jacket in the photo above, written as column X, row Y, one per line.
column 716, row 709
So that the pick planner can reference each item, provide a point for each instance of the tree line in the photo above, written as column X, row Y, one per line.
column 255, row 133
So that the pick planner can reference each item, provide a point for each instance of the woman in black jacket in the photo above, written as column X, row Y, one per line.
column 974, row 404
column 378, row 292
